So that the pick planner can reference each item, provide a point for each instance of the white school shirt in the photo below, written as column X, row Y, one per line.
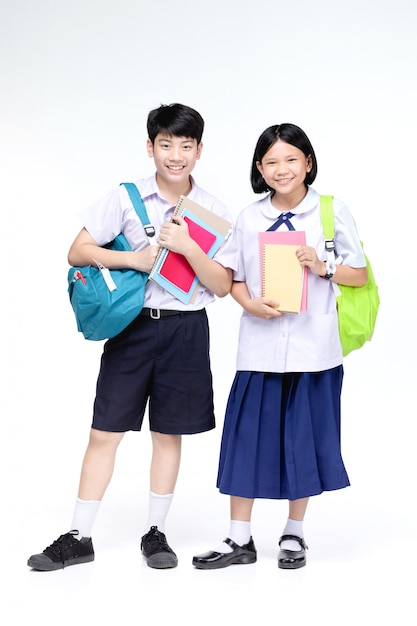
column 115, row 213
column 304, row 342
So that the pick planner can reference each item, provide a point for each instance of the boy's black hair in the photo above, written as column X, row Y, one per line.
column 290, row 133
column 176, row 120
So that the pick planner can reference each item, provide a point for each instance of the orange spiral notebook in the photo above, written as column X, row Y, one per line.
column 282, row 277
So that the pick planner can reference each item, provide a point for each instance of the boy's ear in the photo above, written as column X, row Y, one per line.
column 149, row 147
column 199, row 149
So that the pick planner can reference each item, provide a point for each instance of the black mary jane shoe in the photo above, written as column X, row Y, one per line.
column 292, row 559
column 215, row 560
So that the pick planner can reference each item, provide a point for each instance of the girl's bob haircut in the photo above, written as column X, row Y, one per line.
column 290, row 133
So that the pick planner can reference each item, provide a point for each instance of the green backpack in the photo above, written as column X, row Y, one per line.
column 357, row 307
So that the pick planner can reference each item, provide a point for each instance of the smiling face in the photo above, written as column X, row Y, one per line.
column 175, row 158
column 284, row 168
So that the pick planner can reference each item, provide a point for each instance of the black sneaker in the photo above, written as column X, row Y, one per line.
column 66, row 550
column 156, row 550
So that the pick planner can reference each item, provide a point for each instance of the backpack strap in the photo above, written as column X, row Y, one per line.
column 139, row 207
column 327, row 220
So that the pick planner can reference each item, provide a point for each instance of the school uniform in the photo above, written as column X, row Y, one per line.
column 281, row 436
column 163, row 355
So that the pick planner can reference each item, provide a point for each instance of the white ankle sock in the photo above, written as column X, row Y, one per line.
column 85, row 512
column 158, row 510
column 239, row 532
column 292, row 527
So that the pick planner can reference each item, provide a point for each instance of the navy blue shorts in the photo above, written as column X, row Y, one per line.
column 164, row 362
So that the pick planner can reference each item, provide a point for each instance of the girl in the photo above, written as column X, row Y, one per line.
column 281, row 435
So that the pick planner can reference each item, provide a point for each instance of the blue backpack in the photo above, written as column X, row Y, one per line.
column 106, row 301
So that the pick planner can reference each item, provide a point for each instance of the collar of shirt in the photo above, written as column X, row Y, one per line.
column 307, row 204
column 149, row 187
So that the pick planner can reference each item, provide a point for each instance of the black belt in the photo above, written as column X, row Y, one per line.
column 156, row 314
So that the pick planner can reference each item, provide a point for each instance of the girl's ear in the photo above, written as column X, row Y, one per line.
column 259, row 166
column 309, row 163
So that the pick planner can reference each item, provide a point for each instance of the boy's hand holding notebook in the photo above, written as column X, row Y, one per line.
column 171, row 270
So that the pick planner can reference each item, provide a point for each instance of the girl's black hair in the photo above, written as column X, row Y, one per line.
column 290, row 133
column 175, row 119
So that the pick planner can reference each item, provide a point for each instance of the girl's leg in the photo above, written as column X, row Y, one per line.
column 238, row 547
column 240, row 523
column 297, row 509
column 241, row 508
column 292, row 552
column 294, row 525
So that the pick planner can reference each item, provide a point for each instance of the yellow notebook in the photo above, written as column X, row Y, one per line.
column 282, row 276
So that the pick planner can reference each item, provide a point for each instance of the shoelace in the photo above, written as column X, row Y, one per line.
column 61, row 544
column 156, row 539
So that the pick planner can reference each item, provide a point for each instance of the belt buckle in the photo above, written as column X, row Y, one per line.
column 155, row 314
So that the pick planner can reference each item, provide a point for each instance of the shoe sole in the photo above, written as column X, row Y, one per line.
column 52, row 566
column 295, row 565
column 243, row 560
column 160, row 561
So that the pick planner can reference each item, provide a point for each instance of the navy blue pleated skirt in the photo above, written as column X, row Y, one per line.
column 281, row 435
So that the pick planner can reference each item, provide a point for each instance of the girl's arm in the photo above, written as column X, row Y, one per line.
column 259, row 307
column 344, row 275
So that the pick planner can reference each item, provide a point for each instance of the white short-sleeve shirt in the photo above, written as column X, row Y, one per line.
column 309, row 341
column 114, row 214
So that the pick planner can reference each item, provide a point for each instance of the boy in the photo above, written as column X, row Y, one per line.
column 167, row 343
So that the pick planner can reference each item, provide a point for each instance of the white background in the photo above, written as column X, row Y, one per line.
column 77, row 80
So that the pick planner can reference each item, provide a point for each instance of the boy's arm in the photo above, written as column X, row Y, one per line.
column 210, row 273
column 85, row 251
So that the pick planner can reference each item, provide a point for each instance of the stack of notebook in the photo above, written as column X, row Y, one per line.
column 282, row 277
column 171, row 270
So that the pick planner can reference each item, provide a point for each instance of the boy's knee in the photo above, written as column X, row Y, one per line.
column 105, row 438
